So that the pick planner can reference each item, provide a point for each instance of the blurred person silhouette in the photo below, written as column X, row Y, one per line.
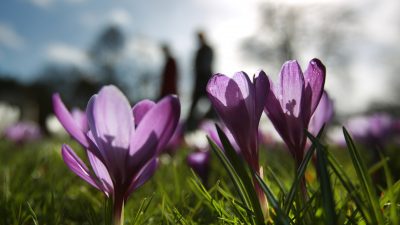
column 203, row 71
column 169, row 73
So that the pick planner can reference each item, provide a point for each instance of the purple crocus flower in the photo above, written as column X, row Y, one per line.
column 322, row 115
column 239, row 103
column 292, row 101
column 373, row 130
column 208, row 126
column 176, row 140
column 80, row 118
column 23, row 132
column 122, row 143
column 199, row 161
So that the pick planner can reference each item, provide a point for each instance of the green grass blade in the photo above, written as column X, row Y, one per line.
column 144, row 205
column 365, row 180
column 348, row 185
column 325, row 183
column 390, row 192
column 231, row 172
column 351, row 219
column 276, row 180
column 300, row 173
column 240, row 167
column 33, row 214
column 377, row 166
column 280, row 216
column 202, row 193
column 242, row 171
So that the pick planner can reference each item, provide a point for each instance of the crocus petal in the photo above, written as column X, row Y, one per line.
column 291, row 86
column 227, row 98
column 275, row 112
column 111, row 123
column 159, row 123
column 162, row 119
column 80, row 118
column 143, row 175
column 102, row 174
column 72, row 127
column 246, row 89
column 68, row 121
column 77, row 166
column 176, row 140
column 261, row 85
column 217, row 89
column 314, row 77
column 292, row 90
column 111, row 118
column 322, row 115
column 298, row 95
column 140, row 109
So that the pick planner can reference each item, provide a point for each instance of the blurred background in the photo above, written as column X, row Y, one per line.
column 75, row 46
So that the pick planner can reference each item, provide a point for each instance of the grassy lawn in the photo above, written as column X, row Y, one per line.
column 36, row 187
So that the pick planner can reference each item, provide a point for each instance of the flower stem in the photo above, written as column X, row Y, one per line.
column 261, row 196
column 302, row 195
column 118, row 210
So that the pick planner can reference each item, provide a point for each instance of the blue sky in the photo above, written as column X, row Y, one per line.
column 36, row 26
column 33, row 32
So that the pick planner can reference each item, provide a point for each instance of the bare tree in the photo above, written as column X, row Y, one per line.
column 291, row 31
column 107, row 51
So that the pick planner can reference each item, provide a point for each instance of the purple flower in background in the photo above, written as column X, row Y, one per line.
column 372, row 130
column 200, row 163
column 292, row 101
column 322, row 115
column 122, row 143
column 23, row 132
column 239, row 103
column 208, row 126
column 176, row 140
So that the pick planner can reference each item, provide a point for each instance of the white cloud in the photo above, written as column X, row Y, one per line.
column 76, row 1
column 66, row 54
column 47, row 3
column 10, row 38
column 120, row 17
column 117, row 16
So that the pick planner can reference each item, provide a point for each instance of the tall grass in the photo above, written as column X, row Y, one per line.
column 37, row 188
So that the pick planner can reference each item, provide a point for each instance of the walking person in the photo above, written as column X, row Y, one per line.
column 203, row 71
column 169, row 74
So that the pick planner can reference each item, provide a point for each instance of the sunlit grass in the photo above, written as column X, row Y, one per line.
column 36, row 187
